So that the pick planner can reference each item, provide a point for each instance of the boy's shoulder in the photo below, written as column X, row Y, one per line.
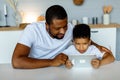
column 93, row 47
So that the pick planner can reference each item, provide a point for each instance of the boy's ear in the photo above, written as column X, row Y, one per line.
column 73, row 41
column 90, row 42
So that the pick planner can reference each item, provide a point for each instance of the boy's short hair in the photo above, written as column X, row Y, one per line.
column 81, row 31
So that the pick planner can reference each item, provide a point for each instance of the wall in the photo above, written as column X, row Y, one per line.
column 90, row 8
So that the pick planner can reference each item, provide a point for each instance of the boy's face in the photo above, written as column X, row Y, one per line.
column 82, row 44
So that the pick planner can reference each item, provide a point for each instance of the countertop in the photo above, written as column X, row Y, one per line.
column 91, row 25
column 10, row 28
column 105, row 26
column 106, row 72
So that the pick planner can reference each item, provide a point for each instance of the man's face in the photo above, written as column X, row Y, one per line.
column 82, row 44
column 57, row 28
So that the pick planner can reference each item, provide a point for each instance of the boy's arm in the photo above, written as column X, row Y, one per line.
column 68, row 64
column 107, row 58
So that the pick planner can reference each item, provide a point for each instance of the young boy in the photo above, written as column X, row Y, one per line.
column 82, row 41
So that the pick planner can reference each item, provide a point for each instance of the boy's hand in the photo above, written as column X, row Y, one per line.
column 95, row 63
column 68, row 64
column 60, row 59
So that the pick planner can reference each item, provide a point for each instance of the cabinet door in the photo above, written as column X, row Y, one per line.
column 8, row 41
column 105, row 37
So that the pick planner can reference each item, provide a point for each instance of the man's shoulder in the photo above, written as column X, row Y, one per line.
column 35, row 25
column 70, row 25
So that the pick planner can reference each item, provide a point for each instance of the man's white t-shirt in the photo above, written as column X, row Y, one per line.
column 92, row 50
column 42, row 45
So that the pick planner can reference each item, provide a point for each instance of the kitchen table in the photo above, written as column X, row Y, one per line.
column 106, row 72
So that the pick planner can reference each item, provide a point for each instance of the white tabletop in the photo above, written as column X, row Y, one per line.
column 106, row 72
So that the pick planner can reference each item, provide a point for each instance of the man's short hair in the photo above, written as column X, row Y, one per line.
column 55, row 12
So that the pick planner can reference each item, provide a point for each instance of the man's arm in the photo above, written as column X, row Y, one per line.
column 101, row 48
column 20, row 59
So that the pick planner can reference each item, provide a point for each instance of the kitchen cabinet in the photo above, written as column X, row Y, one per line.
column 8, row 41
column 108, row 37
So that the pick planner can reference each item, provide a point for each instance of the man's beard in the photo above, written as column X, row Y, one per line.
column 57, row 37
column 54, row 35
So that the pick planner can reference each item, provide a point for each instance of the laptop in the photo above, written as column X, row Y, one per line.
column 81, row 61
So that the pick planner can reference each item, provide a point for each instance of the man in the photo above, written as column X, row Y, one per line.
column 42, row 43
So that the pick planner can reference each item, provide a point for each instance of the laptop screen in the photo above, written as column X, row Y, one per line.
column 81, row 60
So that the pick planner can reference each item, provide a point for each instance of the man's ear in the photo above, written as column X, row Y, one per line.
column 47, row 26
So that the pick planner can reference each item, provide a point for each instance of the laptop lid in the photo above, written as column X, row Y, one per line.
column 83, row 61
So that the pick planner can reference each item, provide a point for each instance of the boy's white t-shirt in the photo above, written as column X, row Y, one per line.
column 92, row 50
column 42, row 45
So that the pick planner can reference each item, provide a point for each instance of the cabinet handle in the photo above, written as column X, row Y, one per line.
column 94, row 31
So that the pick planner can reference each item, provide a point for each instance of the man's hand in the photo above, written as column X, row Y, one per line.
column 101, row 48
column 95, row 63
column 59, row 60
column 104, row 49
